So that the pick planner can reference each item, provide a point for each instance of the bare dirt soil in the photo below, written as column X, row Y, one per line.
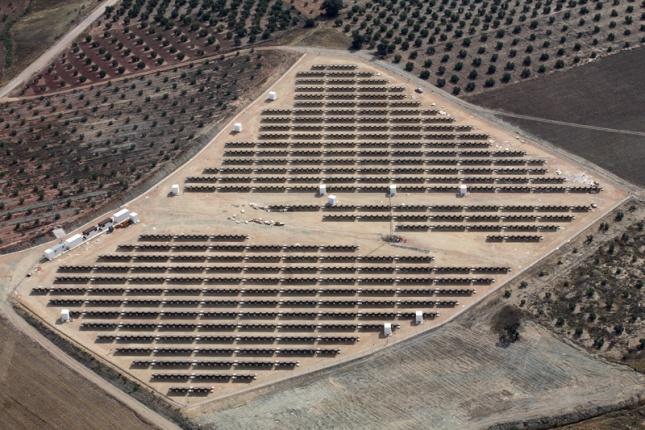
column 323, row 36
column 454, row 377
column 38, row 392
column 607, row 93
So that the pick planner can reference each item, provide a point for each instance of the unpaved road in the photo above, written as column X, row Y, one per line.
column 47, row 56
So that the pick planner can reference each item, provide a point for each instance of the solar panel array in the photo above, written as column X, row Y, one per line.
column 197, row 311
column 356, row 133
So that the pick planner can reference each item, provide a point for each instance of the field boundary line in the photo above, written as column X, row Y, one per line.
column 557, row 122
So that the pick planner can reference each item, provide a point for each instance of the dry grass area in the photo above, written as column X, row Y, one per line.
column 239, row 212
column 39, row 392
column 323, row 36
column 29, row 27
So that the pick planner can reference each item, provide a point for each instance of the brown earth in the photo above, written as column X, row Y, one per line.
column 607, row 93
column 38, row 392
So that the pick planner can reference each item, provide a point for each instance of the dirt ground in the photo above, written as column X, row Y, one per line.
column 38, row 392
column 424, row 380
column 324, row 36
column 606, row 93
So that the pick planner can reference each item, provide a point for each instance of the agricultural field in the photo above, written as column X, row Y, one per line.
column 607, row 93
column 137, row 36
column 28, row 27
column 468, row 48
column 70, row 155
column 592, row 293
column 39, row 392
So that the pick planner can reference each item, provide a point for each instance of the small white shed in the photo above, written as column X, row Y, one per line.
column 392, row 190
column 273, row 96
column 418, row 317
column 237, row 127
column 65, row 316
column 322, row 189
column 387, row 329
column 134, row 218
column 331, row 200
column 174, row 190
column 463, row 190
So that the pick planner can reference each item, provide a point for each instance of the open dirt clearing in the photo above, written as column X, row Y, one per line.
column 607, row 93
column 453, row 377
column 39, row 392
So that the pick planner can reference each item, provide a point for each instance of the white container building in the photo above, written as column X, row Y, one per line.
column 273, row 96
column 134, row 218
column 65, row 316
column 331, row 200
column 54, row 251
column 237, row 127
column 73, row 241
column 392, row 190
column 120, row 216
column 463, row 190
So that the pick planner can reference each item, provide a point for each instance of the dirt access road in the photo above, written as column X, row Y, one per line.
column 52, row 52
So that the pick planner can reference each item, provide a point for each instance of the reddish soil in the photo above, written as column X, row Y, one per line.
column 607, row 93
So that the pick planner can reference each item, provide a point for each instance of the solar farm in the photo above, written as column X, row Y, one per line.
column 340, row 213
